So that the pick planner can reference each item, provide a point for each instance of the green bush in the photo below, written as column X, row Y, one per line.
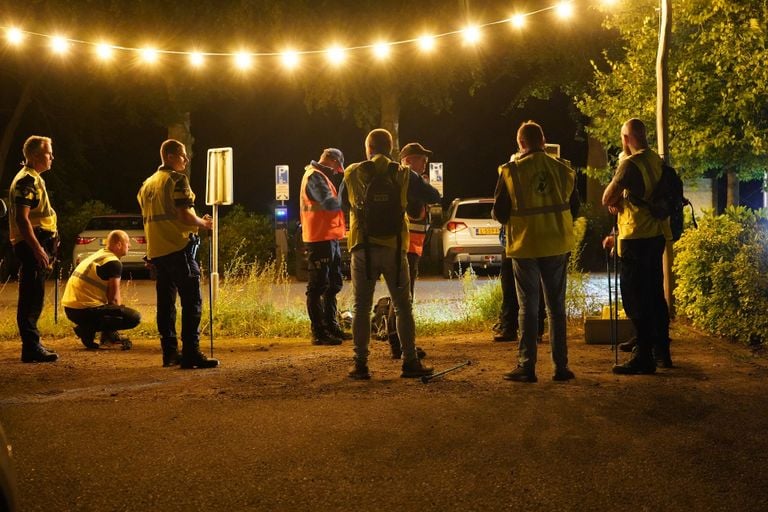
column 722, row 274
column 243, row 236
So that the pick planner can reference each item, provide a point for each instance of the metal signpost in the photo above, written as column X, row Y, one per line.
column 436, row 176
column 282, row 174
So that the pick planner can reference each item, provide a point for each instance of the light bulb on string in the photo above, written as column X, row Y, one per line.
column 381, row 50
column 564, row 10
column 59, row 45
column 243, row 60
column 517, row 21
column 336, row 55
column 14, row 36
column 149, row 55
column 290, row 59
column 104, row 51
column 427, row 43
column 471, row 34
column 196, row 59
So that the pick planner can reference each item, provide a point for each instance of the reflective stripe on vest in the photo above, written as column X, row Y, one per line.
column 85, row 289
column 42, row 216
column 317, row 223
column 540, row 224
column 164, row 232
column 636, row 221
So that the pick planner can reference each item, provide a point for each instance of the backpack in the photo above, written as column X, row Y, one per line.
column 380, row 208
column 667, row 201
column 380, row 319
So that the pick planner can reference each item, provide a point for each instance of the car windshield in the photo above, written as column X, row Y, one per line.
column 111, row 223
column 474, row 211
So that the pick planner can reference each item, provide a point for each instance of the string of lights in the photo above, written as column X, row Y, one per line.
column 290, row 58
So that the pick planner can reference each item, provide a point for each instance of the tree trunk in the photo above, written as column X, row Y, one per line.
column 13, row 123
column 390, row 118
column 732, row 189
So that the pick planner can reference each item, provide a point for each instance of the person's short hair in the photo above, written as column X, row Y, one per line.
column 637, row 128
column 334, row 154
column 170, row 147
column 532, row 134
column 379, row 141
column 115, row 236
column 34, row 145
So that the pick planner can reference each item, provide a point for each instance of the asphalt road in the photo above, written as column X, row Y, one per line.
column 279, row 427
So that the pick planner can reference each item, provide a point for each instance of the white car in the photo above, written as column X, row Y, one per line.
column 94, row 237
column 471, row 236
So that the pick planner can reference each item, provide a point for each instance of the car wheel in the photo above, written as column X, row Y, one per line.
column 448, row 269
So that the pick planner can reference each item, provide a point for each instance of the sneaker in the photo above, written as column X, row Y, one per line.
column 636, row 366
column 171, row 359
column 38, row 354
column 629, row 345
column 86, row 337
column 563, row 374
column 520, row 374
column 414, row 370
column 325, row 339
column 359, row 372
column 506, row 336
column 197, row 359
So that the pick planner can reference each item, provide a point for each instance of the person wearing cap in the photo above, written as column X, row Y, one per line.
column 322, row 225
column 415, row 156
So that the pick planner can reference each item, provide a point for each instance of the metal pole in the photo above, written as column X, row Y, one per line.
column 210, row 284
column 662, row 126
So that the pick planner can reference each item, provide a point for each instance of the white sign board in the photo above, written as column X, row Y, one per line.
column 281, row 182
column 219, row 185
column 436, row 176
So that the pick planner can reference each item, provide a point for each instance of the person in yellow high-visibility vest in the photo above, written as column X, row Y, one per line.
column 532, row 199
column 34, row 236
column 92, row 298
column 642, row 239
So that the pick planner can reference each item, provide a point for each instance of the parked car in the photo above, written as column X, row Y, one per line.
column 470, row 236
column 8, row 490
column 94, row 237
column 302, row 265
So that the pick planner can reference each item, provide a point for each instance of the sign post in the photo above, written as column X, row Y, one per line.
column 436, row 176
column 282, row 174
column 218, row 190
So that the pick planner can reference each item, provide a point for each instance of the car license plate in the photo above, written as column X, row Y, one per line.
column 487, row 231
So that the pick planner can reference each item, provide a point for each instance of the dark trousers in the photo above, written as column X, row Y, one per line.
column 106, row 318
column 413, row 272
column 325, row 282
column 510, row 308
column 179, row 273
column 31, row 295
column 642, row 290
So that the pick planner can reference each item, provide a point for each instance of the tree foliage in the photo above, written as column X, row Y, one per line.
column 718, row 84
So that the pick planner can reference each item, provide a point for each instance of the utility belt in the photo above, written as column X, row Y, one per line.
column 48, row 240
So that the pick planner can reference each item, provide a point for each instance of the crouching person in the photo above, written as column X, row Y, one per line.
column 92, row 296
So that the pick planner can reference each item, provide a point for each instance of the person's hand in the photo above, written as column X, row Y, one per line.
column 608, row 242
column 41, row 257
column 207, row 221
column 613, row 210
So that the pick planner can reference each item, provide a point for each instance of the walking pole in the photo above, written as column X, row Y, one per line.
column 616, row 295
column 210, row 287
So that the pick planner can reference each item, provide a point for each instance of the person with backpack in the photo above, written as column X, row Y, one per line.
column 532, row 200
column 415, row 156
column 377, row 192
column 642, row 238
column 322, row 225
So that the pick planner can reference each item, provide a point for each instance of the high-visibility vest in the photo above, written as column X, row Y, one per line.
column 417, row 232
column 540, row 222
column 636, row 221
column 157, row 199
column 42, row 215
column 355, row 181
column 85, row 289
column 317, row 223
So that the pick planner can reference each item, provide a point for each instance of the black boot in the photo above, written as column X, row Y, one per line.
column 37, row 354
column 195, row 359
column 641, row 363
column 171, row 356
